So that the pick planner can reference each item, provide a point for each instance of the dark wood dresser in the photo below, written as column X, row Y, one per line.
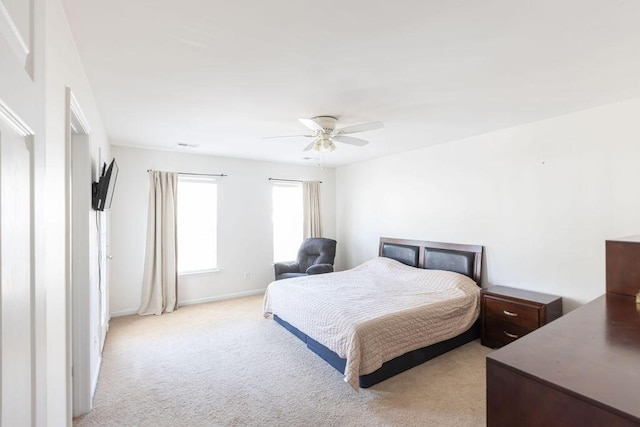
column 584, row 368
column 510, row 313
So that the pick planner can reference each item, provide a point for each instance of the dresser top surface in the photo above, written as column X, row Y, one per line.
column 521, row 294
column 593, row 352
column 628, row 239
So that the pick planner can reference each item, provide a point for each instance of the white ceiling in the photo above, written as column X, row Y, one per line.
column 223, row 74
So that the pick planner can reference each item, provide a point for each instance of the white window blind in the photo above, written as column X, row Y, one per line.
column 287, row 220
column 197, row 224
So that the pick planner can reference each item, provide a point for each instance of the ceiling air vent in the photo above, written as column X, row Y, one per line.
column 184, row 144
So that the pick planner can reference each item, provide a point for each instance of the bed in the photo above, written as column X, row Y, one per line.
column 417, row 300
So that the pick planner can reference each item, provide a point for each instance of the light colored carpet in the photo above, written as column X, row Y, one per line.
column 223, row 364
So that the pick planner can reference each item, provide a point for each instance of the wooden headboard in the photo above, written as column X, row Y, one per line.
column 463, row 259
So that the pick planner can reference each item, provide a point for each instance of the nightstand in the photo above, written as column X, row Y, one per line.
column 510, row 313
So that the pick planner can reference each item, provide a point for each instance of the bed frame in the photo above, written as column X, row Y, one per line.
column 463, row 259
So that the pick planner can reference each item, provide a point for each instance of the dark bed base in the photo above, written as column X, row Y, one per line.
column 393, row 366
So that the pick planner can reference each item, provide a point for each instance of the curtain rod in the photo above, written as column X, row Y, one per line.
column 288, row 180
column 196, row 174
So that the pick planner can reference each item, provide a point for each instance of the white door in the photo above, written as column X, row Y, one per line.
column 20, row 365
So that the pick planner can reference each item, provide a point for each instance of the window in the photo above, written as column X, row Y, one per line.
column 287, row 220
column 197, row 224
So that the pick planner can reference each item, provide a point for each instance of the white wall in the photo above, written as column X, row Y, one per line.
column 541, row 198
column 244, row 223
column 63, row 69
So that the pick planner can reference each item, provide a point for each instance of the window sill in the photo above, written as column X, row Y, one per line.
column 193, row 273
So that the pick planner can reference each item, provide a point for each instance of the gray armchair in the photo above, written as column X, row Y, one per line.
column 315, row 256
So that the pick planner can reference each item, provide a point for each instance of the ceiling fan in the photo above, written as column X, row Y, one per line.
column 325, row 134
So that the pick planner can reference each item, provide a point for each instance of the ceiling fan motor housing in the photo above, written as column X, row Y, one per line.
column 328, row 123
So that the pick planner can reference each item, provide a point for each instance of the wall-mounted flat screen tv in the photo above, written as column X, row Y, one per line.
column 103, row 189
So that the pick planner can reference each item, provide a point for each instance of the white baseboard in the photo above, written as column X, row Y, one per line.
column 123, row 313
column 221, row 297
column 197, row 301
column 94, row 380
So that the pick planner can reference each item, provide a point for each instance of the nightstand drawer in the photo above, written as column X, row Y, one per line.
column 512, row 312
column 499, row 332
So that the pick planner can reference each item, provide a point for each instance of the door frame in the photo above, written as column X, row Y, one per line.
column 78, row 375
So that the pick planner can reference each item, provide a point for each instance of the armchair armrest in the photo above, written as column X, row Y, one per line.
column 320, row 268
column 286, row 267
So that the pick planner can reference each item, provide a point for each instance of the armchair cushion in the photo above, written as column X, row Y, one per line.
column 289, row 275
column 320, row 268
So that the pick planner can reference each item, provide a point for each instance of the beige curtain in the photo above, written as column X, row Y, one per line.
column 311, row 209
column 160, row 278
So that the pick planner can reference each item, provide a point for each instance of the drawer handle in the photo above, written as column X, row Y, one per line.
column 508, row 313
column 510, row 335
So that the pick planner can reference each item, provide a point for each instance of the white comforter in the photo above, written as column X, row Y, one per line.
column 376, row 311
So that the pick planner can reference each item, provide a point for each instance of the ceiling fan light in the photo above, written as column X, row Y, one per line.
column 328, row 145
column 324, row 145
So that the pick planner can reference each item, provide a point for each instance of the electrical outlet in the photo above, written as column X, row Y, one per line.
column 247, row 275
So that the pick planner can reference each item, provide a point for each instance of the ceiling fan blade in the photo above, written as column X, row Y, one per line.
column 350, row 140
column 311, row 124
column 310, row 146
column 288, row 136
column 362, row 127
